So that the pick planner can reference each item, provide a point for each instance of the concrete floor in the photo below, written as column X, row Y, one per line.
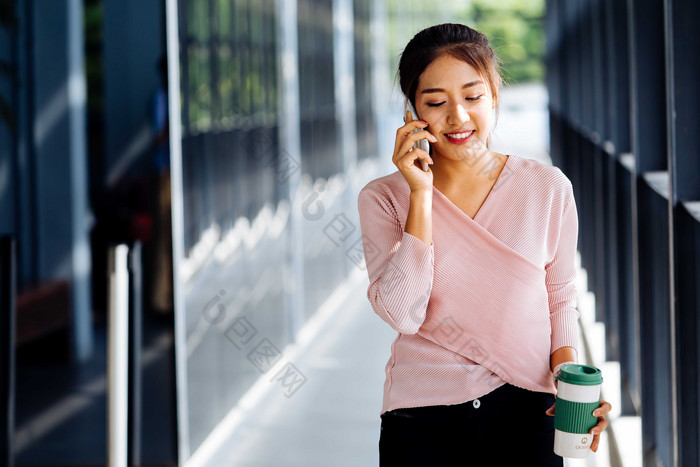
column 333, row 419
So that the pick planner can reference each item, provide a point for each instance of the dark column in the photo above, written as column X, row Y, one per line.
column 7, row 348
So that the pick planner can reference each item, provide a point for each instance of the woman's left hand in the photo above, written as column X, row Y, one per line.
column 602, row 424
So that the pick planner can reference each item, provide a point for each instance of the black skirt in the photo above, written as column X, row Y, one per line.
column 507, row 426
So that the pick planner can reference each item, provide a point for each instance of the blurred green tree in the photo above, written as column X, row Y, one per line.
column 516, row 31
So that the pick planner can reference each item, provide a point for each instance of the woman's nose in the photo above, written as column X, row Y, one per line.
column 458, row 115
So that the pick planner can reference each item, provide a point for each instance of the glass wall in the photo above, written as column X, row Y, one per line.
column 364, row 99
column 234, row 261
column 317, row 104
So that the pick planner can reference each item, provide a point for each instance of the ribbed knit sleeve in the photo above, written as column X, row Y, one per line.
column 560, row 277
column 400, row 266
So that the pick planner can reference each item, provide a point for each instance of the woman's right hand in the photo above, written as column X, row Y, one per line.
column 407, row 158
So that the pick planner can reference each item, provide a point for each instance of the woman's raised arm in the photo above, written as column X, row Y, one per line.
column 400, row 265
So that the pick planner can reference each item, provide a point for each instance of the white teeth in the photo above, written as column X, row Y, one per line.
column 460, row 135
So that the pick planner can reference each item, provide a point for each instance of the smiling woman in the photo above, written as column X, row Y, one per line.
column 459, row 115
column 486, row 66
column 472, row 262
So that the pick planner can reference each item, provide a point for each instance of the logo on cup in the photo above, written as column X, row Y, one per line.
column 584, row 440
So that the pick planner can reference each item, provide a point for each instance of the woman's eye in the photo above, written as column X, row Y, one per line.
column 466, row 98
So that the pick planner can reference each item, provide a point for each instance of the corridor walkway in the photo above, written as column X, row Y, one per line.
column 333, row 420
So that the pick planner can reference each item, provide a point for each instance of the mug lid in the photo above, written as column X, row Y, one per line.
column 584, row 375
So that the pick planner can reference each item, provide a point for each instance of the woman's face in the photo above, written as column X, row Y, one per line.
column 455, row 101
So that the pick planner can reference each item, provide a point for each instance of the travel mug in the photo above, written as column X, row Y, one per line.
column 578, row 395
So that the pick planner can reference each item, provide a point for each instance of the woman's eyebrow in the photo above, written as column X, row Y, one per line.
column 470, row 84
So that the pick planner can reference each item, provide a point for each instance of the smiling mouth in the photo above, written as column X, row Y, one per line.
column 459, row 138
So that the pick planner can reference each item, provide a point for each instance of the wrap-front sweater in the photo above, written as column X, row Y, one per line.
column 525, row 230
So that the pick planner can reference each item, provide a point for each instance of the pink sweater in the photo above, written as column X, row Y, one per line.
column 531, row 210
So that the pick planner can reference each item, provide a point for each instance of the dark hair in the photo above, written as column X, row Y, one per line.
column 457, row 40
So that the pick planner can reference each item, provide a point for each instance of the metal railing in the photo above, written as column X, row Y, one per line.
column 124, row 341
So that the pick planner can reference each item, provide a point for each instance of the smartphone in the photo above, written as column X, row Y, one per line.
column 423, row 144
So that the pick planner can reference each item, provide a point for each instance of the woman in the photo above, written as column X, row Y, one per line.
column 472, row 261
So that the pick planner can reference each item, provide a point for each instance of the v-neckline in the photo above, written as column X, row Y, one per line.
column 486, row 200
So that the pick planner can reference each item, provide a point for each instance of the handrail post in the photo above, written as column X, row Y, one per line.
column 135, row 357
column 118, row 357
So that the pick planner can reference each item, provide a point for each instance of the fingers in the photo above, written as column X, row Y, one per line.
column 405, row 137
column 407, row 130
column 410, row 126
column 424, row 134
column 406, row 147
column 604, row 408
column 402, row 137
column 550, row 411
column 410, row 157
column 602, row 424
column 411, row 140
column 596, row 431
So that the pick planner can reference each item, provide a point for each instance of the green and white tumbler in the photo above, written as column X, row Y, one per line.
column 578, row 395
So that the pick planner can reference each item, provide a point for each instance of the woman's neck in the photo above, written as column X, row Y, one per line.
column 457, row 174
